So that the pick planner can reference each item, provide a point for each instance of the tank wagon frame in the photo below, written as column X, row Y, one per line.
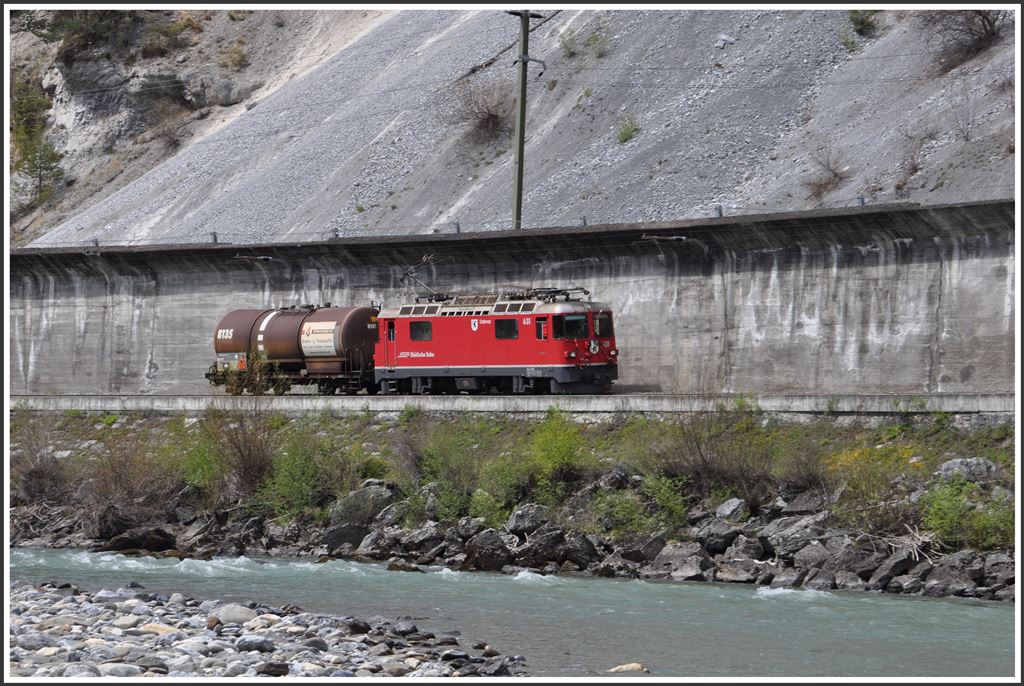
column 531, row 341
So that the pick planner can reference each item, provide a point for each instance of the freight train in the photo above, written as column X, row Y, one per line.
column 538, row 340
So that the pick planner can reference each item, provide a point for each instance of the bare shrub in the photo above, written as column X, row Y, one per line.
column 831, row 173
column 245, row 440
column 910, row 163
column 126, row 481
column 36, row 473
column 167, row 115
column 961, row 110
column 722, row 452
column 962, row 34
column 484, row 109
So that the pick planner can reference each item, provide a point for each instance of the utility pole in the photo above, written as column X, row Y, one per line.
column 523, row 60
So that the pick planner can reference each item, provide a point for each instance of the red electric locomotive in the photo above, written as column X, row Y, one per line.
column 540, row 340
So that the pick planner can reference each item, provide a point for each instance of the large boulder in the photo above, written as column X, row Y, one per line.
column 788, row 577
column 904, row 583
column 999, row 569
column 424, row 538
column 717, row 535
column 527, row 518
column 378, row 545
column 393, row 514
column 643, row 550
column 858, row 555
column 361, row 506
column 468, row 527
column 849, row 581
column 744, row 548
column 111, row 521
column 957, row 574
column 233, row 613
column 812, row 556
column 347, row 533
column 143, row 538
column 743, row 571
column 787, row 535
column 733, row 508
column 820, row 580
column 580, row 551
column 969, row 468
column 487, row 552
column 615, row 566
column 681, row 562
column 897, row 564
column 546, row 544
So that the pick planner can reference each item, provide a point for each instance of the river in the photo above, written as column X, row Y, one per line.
column 569, row 626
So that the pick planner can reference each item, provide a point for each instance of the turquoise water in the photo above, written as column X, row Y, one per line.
column 581, row 627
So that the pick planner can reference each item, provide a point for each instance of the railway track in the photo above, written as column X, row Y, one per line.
column 953, row 403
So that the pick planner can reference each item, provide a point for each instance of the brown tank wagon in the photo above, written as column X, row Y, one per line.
column 274, row 349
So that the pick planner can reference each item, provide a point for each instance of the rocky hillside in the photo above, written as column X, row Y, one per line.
column 311, row 124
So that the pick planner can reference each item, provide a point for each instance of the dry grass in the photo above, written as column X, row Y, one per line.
column 234, row 58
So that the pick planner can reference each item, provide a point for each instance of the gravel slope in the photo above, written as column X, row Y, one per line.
column 732, row 107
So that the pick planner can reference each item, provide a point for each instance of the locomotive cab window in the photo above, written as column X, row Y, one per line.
column 570, row 326
column 506, row 328
column 542, row 328
column 391, row 331
column 420, row 331
column 603, row 325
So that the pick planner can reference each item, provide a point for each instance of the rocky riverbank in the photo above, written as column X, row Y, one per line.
column 785, row 544
column 128, row 632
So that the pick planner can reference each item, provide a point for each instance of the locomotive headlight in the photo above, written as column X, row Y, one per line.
column 571, row 354
column 613, row 352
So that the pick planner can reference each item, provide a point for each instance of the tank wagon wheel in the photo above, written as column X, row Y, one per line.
column 281, row 387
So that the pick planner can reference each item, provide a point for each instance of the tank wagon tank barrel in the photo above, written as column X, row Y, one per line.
column 272, row 350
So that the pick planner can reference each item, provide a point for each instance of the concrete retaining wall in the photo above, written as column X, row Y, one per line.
column 896, row 299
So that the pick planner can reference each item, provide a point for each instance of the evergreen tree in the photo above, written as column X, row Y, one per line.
column 41, row 162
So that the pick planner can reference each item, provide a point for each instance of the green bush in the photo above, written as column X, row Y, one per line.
column 597, row 41
column 294, row 483
column 961, row 515
column 863, row 21
column 483, row 504
column 201, row 466
column 567, row 41
column 556, row 457
column 670, row 500
column 628, row 128
column 619, row 513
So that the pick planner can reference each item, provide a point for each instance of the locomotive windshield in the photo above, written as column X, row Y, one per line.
column 603, row 325
column 570, row 326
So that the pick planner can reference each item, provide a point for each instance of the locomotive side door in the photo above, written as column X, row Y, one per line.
column 390, row 345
